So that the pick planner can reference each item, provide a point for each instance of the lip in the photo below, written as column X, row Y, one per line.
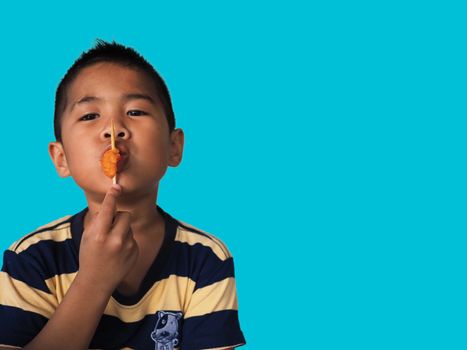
column 122, row 162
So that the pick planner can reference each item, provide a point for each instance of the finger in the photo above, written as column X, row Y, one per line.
column 108, row 208
column 121, row 225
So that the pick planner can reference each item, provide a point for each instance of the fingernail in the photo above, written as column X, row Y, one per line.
column 117, row 187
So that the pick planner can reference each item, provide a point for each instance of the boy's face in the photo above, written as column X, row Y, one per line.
column 103, row 92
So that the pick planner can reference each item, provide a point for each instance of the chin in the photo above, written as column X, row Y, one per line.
column 130, row 185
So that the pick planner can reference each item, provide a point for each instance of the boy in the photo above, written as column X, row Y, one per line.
column 122, row 273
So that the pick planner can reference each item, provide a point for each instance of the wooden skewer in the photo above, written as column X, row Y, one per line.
column 112, row 133
column 112, row 141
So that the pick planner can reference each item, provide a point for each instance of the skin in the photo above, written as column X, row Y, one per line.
column 122, row 230
column 140, row 126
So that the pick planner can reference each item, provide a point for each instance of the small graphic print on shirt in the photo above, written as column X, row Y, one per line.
column 165, row 332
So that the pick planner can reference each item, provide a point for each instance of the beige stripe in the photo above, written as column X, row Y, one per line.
column 218, row 296
column 18, row 294
column 172, row 293
column 58, row 234
column 50, row 224
column 214, row 238
column 59, row 284
column 4, row 346
column 226, row 347
column 221, row 244
column 192, row 238
column 53, row 223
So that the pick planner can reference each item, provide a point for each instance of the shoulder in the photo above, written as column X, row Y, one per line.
column 56, row 231
column 193, row 236
column 201, row 256
column 35, row 258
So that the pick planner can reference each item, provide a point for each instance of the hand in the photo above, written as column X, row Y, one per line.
column 108, row 250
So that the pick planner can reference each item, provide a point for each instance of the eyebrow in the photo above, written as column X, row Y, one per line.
column 137, row 96
column 127, row 97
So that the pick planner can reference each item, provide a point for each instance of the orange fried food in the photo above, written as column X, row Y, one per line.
column 109, row 162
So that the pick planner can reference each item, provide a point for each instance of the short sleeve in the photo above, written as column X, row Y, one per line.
column 26, row 303
column 211, row 320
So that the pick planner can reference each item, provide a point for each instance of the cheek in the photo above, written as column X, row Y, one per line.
column 80, row 158
column 155, row 158
column 155, row 149
column 81, row 155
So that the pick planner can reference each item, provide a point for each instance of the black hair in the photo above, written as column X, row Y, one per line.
column 113, row 53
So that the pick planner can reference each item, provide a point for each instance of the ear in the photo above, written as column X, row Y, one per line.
column 177, row 140
column 59, row 158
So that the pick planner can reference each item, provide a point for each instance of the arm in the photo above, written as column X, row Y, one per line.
column 107, row 252
column 81, row 309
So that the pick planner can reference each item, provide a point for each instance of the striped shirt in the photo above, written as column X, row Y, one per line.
column 187, row 300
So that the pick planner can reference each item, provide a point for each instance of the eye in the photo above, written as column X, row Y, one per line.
column 89, row 116
column 136, row 113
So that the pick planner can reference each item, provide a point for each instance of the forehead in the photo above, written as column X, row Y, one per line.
column 108, row 80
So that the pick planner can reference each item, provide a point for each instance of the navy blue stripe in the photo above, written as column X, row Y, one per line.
column 196, row 262
column 214, row 271
column 158, row 265
column 113, row 333
column 49, row 228
column 50, row 258
column 23, row 269
column 191, row 229
column 41, row 261
column 47, row 259
column 199, row 263
column 217, row 329
column 213, row 330
column 19, row 327
column 54, row 257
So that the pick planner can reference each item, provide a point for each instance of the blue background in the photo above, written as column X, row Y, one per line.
column 325, row 144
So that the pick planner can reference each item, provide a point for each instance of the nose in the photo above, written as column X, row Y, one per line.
column 121, row 132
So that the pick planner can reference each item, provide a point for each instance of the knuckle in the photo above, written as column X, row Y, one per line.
column 99, row 238
column 116, row 244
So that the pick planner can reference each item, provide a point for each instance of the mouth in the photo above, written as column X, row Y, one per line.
column 122, row 162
